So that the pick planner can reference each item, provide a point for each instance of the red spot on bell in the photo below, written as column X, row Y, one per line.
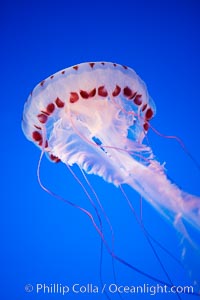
column 116, row 91
column 37, row 136
column 37, row 127
column 128, row 92
column 92, row 93
column 144, row 107
column 46, row 144
column 54, row 158
column 91, row 64
column 149, row 114
column 102, row 91
column 50, row 108
column 42, row 118
column 59, row 103
column 75, row 68
column 73, row 97
column 138, row 100
column 146, row 126
column 84, row 94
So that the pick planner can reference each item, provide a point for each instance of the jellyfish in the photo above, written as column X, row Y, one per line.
column 97, row 115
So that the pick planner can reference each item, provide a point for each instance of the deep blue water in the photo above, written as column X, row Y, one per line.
column 43, row 240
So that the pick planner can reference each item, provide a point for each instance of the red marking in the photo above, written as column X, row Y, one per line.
column 146, row 126
column 63, row 72
column 42, row 82
column 37, row 136
column 137, row 100
column 84, row 94
column 54, row 158
column 52, row 76
column 114, row 65
column 91, row 65
column 144, row 107
column 128, row 92
column 59, row 102
column 125, row 67
column 73, row 97
column 116, row 91
column 46, row 144
column 75, row 68
column 50, row 108
column 149, row 114
column 45, row 112
column 133, row 96
column 37, row 127
column 92, row 93
column 102, row 91
column 42, row 118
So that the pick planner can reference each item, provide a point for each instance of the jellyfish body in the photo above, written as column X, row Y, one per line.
column 96, row 115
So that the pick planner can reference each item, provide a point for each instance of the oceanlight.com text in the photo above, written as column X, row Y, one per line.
column 112, row 288
column 150, row 289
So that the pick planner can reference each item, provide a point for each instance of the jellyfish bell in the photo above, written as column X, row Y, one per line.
column 96, row 115
column 85, row 105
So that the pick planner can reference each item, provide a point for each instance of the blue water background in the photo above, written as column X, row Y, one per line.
column 44, row 240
